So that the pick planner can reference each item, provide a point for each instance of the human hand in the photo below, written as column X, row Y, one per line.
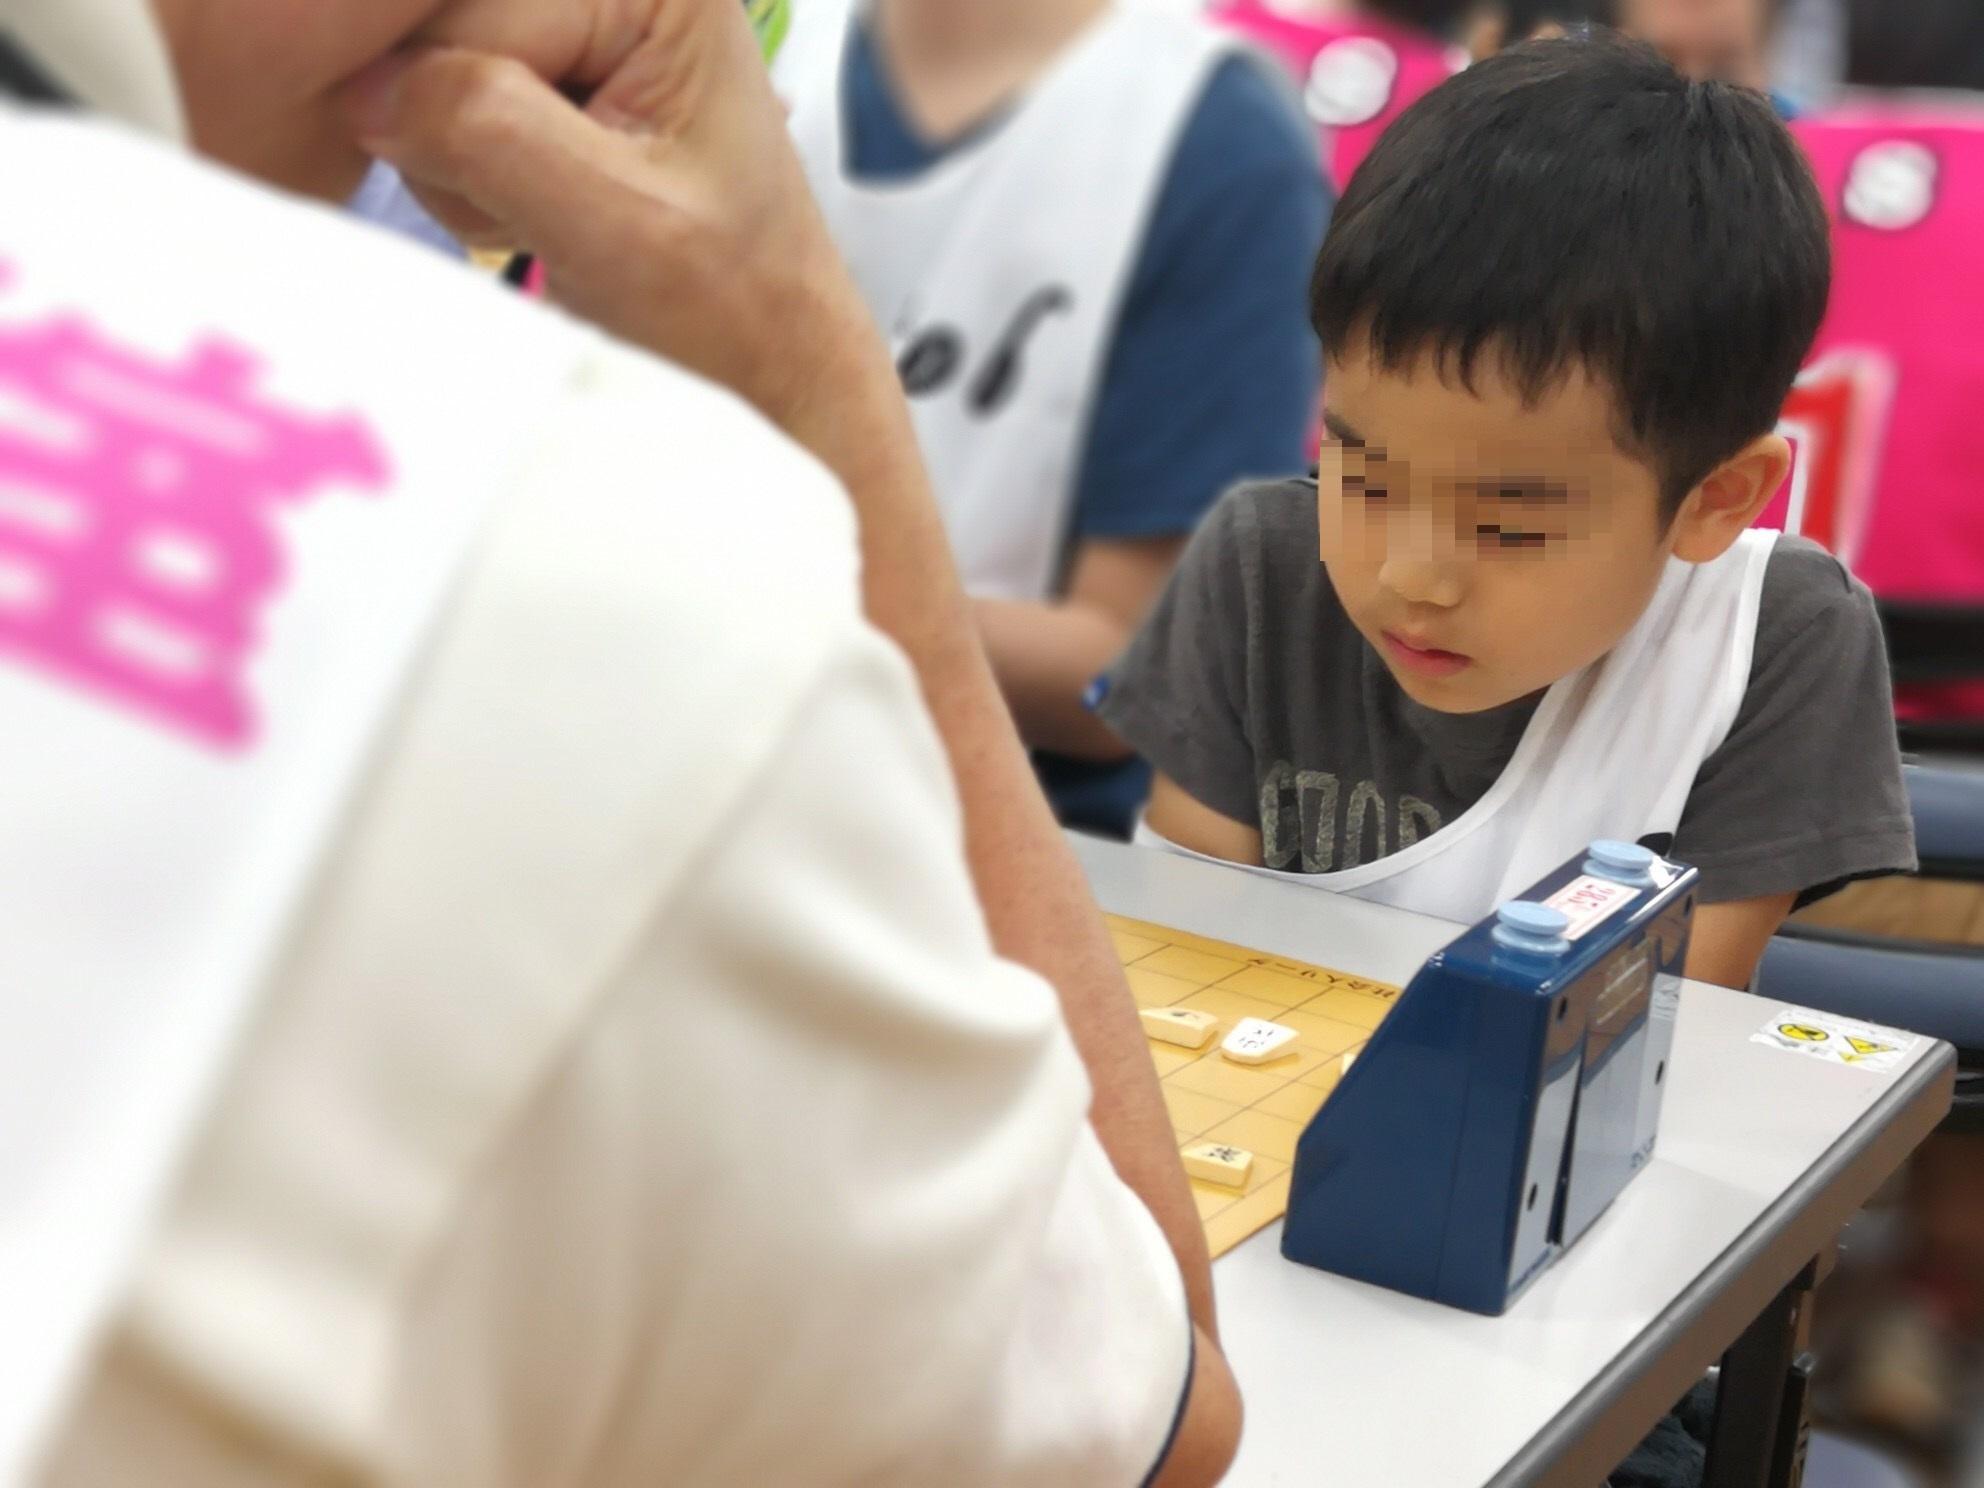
column 669, row 208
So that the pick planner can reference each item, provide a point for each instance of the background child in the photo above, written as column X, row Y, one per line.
column 1084, row 224
column 1563, row 301
column 1726, row 41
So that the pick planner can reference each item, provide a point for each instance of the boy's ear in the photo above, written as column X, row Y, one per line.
column 1728, row 500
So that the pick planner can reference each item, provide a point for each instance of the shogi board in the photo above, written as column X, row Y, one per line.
column 1262, row 1108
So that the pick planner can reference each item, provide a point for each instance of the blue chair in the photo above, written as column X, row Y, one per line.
column 1835, row 1462
column 1921, row 986
column 1948, row 806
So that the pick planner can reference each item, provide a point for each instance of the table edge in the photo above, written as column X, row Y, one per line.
column 1595, row 1430
column 1599, row 1425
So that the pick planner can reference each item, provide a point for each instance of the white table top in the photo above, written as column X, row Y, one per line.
column 1762, row 1155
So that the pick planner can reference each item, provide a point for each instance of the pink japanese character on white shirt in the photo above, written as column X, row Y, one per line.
column 139, row 544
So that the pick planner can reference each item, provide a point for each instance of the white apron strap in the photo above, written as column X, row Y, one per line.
column 1666, row 695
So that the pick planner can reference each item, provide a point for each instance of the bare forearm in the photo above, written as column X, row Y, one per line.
column 1045, row 656
column 1036, row 900
column 1728, row 939
column 1209, row 1433
column 676, row 216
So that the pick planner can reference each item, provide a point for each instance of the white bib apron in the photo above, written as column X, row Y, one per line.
column 1612, row 751
column 999, row 273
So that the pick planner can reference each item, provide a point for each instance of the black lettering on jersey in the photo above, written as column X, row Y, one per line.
column 1000, row 378
column 931, row 361
column 932, row 358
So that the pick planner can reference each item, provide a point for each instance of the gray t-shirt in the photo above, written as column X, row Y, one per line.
column 1251, row 689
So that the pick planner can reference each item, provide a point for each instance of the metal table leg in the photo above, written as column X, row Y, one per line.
column 1757, row 1438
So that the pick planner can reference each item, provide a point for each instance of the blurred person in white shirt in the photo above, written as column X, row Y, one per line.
column 611, row 1005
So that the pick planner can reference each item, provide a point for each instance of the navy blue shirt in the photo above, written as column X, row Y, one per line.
column 1213, row 372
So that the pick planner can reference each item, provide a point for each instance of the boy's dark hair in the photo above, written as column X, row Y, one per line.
column 1579, row 202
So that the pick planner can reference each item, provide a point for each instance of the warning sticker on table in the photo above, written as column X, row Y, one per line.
column 1836, row 1040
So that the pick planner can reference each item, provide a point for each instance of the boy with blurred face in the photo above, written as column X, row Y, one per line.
column 1081, row 222
column 1564, row 300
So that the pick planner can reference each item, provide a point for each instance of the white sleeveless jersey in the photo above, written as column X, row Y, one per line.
column 1612, row 751
column 999, row 273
